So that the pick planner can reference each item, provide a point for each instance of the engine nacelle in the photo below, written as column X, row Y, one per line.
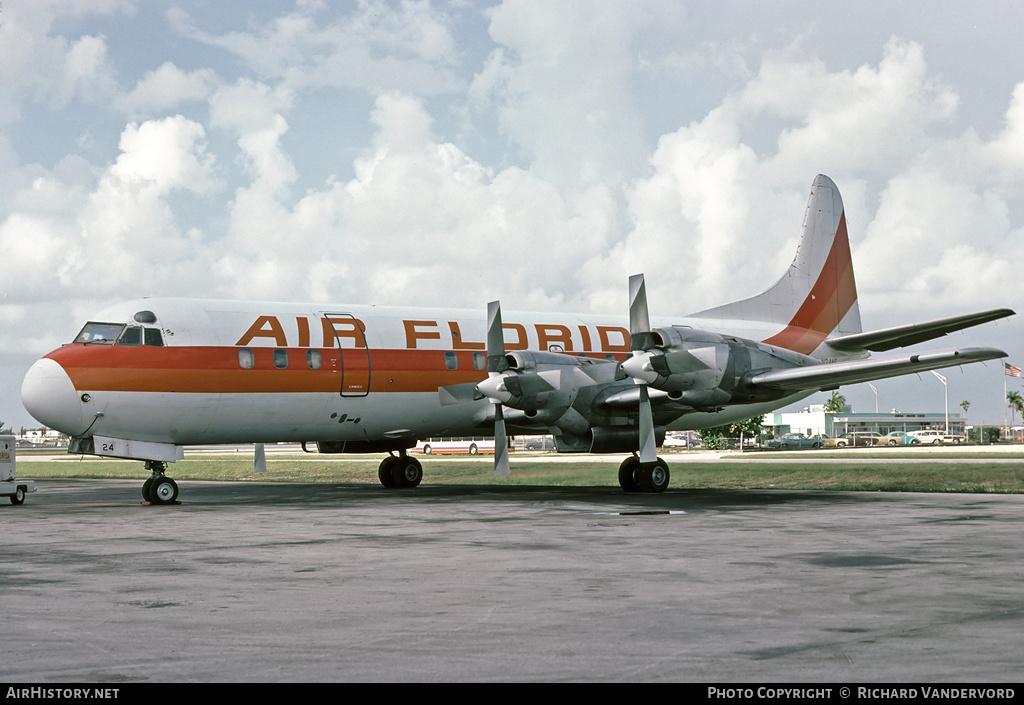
column 605, row 439
column 545, row 385
column 706, row 370
column 681, row 359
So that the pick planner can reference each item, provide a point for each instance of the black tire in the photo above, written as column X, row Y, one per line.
column 145, row 490
column 427, row 450
column 473, row 450
column 654, row 477
column 627, row 475
column 385, row 472
column 164, row 491
column 19, row 496
column 406, row 472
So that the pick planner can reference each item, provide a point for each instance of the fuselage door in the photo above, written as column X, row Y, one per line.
column 353, row 353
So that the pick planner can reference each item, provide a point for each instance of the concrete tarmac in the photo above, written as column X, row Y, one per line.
column 318, row 582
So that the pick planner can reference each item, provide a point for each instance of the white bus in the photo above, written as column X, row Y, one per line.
column 473, row 445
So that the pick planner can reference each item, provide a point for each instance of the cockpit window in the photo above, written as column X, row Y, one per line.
column 109, row 333
column 132, row 336
column 105, row 333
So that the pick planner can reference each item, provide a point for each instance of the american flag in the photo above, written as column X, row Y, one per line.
column 1011, row 370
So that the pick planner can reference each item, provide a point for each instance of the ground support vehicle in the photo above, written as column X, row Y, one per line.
column 10, row 485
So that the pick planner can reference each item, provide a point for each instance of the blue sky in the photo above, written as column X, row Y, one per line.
column 451, row 153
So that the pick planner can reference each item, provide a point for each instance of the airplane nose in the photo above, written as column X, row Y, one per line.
column 49, row 395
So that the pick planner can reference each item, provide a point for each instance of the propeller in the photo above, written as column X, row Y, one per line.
column 494, row 387
column 641, row 339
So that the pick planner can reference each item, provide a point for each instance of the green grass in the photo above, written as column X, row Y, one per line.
column 944, row 474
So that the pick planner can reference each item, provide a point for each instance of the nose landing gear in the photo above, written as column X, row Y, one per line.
column 159, row 489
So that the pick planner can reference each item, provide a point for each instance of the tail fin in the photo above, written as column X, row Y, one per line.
column 817, row 296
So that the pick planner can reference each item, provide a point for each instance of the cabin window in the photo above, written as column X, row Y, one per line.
column 281, row 359
column 479, row 361
column 451, row 361
column 246, row 358
column 314, row 359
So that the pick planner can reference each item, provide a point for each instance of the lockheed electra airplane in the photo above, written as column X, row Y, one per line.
column 148, row 377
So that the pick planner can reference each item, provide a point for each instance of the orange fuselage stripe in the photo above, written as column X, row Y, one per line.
column 216, row 370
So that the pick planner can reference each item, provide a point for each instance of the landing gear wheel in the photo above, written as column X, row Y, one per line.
column 146, row 486
column 406, row 472
column 164, row 490
column 627, row 474
column 653, row 477
column 19, row 496
column 385, row 472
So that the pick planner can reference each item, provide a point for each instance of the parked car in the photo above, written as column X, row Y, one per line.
column 795, row 440
column 536, row 443
column 829, row 441
column 936, row 437
column 899, row 438
column 865, row 438
column 680, row 439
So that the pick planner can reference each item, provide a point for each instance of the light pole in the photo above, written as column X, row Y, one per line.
column 943, row 380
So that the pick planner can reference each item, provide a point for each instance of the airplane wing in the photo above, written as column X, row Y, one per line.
column 830, row 376
column 902, row 336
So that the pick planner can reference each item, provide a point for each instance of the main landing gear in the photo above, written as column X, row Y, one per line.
column 159, row 489
column 635, row 476
column 400, row 471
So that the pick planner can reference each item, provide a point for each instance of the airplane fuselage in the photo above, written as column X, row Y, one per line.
column 233, row 372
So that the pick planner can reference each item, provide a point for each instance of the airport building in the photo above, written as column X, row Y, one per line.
column 814, row 419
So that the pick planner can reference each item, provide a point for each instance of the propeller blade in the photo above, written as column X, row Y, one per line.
column 648, row 449
column 640, row 336
column 496, row 365
column 501, row 468
column 640, row 341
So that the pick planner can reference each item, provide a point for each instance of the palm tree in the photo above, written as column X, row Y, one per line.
column 965, row 405
column 1016, row 403
column 835, row 404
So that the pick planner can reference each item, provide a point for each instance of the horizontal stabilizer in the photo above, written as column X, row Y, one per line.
column 902, row 336
column 831, row 376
